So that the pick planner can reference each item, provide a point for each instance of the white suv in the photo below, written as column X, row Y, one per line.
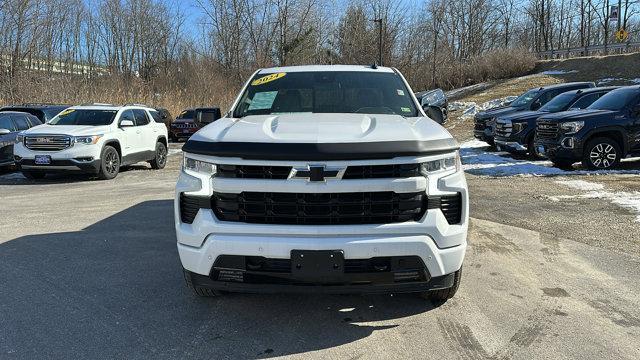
column 96, row 139
column 323, row 179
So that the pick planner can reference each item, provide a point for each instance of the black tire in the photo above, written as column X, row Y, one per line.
column 160, row 160
column 33, row 175
column 441, row 296
column 601, row 153
column 533, row 152
column 435, row 114
column 562, row 164
column 197, row 290
column 110, row 164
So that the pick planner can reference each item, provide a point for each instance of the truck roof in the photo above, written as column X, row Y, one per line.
column 312, row 68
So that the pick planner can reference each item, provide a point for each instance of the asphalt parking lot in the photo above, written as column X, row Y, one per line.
column 89, row 269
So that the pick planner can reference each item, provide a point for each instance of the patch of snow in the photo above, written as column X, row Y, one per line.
column 558, row 72
column 477, row 159
column 635, row 81
column 174, row 152
column 463, row 90
column 608, row 80
column 581, row 185
column 469, row 109
column 624, row 199
column 14, row 176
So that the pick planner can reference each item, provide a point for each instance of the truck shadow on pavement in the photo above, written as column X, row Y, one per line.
column 115, row 290
column 14, row 177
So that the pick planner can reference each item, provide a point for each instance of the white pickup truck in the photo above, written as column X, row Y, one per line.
column 95, row 139
column 323, row 179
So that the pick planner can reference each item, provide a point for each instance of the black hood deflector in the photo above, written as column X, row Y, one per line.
column 321, row 151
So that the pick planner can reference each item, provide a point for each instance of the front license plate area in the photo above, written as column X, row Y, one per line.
column 317, row 265
column 42, row 160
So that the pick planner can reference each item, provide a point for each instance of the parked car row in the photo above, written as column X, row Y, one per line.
column 567, row 123
column 94, row 138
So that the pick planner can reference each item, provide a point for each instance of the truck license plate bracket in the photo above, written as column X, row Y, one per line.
column 317, row 265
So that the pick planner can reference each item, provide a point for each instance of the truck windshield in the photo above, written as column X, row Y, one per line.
column 558, row 103
column 525, row 99
column 364, row 92
column 84, row 117
column 615, row 100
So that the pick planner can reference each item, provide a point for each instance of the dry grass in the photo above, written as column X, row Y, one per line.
column 593, row 68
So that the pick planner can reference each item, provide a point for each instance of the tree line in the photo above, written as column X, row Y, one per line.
column 154, row 51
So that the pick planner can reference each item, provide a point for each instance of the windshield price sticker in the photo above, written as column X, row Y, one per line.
column 268, row 78
column 263, row 100
column 405, row 109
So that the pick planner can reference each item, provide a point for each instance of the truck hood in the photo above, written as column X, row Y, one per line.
column 523, row 116
column 574, row 115
column 322, row 128
column 499, row 111
column 320, row 134
column 73, row 130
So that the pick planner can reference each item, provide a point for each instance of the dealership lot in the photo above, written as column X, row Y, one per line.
column 89, row 269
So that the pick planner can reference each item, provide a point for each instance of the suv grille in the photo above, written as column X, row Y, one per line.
column 382, row 171
column 47, row 143
column 546, row 129
column 253, row 172
column 504, row 128
column 184, row 125
column 319, row 209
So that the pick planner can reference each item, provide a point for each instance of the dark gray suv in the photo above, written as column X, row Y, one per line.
column 11, row 123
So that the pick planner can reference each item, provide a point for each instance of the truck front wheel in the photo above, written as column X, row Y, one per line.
column 601, row 154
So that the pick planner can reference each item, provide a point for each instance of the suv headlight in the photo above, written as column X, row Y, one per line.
column 572, row 127
column 199, row 166
column 517, row 127
column 86, row 140
column 448, row 163
column 19, row 138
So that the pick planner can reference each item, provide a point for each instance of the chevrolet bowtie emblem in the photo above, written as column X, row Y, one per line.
column 315, row 173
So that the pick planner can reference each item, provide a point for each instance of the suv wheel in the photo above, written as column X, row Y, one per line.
column 161, row 157
column 33, row 175
column 110, row 166
column 601, row 154
column 441, row 296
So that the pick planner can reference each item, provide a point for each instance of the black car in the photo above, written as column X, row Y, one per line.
column 11, row 123
column 191, row 120
column 607, row 131
column 532, row 100
column 435, row 104
column 163, row 116
column 44, row 112
column 515, row 133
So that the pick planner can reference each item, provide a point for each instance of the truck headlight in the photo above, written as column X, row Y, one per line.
column 87, row 140
column 19, row 138
column 201, row 167
column 572, row 127
column 451, row 162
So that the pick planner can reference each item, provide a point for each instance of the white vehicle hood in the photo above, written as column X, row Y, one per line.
column 73, row 130
column 322, row 128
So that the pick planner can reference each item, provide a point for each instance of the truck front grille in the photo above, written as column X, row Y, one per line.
column 546, row 129
column 47, row 142
column 382, row 171
column 503, row 128
column 319, row 209
column 253, row 172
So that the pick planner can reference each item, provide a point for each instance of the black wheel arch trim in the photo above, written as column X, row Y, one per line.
column 321, row 151
column 110, row 142
column 601, row 132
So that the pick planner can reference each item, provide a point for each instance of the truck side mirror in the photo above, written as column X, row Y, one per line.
column 5, row 131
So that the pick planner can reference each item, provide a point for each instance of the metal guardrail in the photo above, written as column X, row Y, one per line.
column 615, row 48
